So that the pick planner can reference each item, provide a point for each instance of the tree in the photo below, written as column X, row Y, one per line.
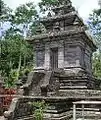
column 15, row 51
column 5, row 11
column 24, row 17
column 95, row 27
column 97, row 65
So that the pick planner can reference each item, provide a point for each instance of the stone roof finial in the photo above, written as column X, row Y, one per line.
column 62, row 7
column 49, row 14
column 38, row 29
column 64, row 2
column 57, row 26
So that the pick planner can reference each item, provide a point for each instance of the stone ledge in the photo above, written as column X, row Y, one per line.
column 37, row 38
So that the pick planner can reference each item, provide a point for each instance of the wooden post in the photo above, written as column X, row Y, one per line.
column 74, row 112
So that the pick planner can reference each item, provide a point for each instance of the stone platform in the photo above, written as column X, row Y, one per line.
column 46, row 86
column 59, row 108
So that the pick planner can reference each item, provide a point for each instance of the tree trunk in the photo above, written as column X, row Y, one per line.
column 24, row 64
column 19, row 67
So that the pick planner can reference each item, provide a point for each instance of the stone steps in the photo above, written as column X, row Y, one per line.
column 65, row 80
column 73, row 82
column 89, row 115
column 94, row 118
column 68, row 83
column 79, row 92
column 73, row 87
column 26, row 118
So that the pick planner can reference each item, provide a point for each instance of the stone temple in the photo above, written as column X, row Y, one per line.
column 63, row 67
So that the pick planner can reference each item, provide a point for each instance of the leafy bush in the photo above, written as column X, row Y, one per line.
column 38, row 109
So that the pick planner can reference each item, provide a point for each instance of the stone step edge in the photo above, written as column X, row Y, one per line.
column 73, row 87
column 73, row 80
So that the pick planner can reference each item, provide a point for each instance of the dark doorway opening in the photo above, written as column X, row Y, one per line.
column 54, row 58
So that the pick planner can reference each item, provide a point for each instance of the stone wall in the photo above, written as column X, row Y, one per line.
column 73, row 54
column 59, row 108
column 22, row 109
column 19, row 108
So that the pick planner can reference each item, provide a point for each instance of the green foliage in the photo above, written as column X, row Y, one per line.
column 10, row 81
column 39, row 108
column 16, row 54
column 97, row 65
column 25, row 13
column 4, row 12
column 25, row 70
column 95, row 27
column 24, row 17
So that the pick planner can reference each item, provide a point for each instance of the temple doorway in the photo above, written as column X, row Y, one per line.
column 54, row 58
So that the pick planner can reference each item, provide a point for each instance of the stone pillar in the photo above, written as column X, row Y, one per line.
column 82, row 111
column 34, row 58
column 78, row 56
column 39, row 56
column 61, row 57
column 47, row 58
column 74, row 112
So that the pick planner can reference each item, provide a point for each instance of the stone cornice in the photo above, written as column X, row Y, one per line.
column 49, row 37
column 90, row 40
column 62, row 7
column 55, row 34
column 71, row 17
column 61, row 17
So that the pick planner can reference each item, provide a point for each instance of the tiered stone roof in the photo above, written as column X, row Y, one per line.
column 65, row 21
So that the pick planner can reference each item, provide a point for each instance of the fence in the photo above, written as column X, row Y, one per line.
column 83, row 103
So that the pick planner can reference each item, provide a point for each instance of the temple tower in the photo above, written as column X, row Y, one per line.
column 65, row 46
